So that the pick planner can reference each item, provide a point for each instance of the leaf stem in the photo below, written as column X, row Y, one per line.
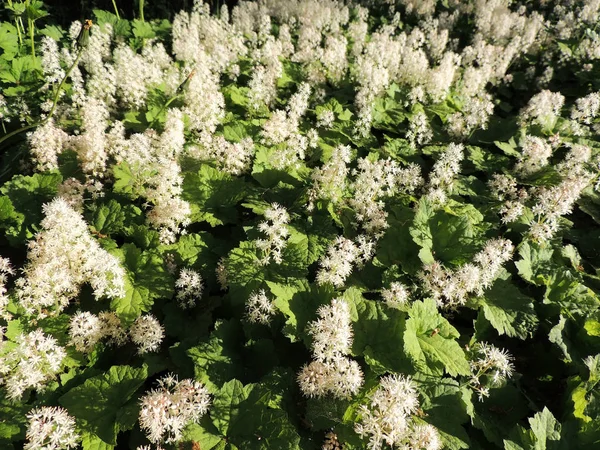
column 116, row 9
column 31, row 26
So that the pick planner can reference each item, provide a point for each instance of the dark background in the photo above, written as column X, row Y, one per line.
column 64, row 12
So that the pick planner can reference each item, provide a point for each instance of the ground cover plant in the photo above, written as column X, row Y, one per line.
column 301, row 224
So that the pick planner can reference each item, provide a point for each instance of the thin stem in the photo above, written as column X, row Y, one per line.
column 18, row 32
column 20, row 28
column 116, row 9
column 141, row 5
column 31, row 35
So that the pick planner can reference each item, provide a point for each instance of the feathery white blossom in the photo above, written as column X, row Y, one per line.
column 50, row 428
column 490, row 367
column 5, row 270
column 34, row 362
column 536, row 154
column 276, row 231
column 336, row 266
column 396, row 296
column 329, row 181
column 87, row 329
column 147, row 333
column 386, row 420
column 63, row 256
column 444, row 172
column 259, row 308
column 332, row 331
column 451, row 288
column 374, row 181
column 543, row 109
column 332, row 372
column 189, row 286
column 166, row 411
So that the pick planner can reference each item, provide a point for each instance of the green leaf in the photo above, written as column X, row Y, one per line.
column 430, row 341
column 509, row 148
column 556, row 337
column 142, row 30
column 108, row 217
column 534, row 261
column 225, row 408
column 545, row 434
column 12, row 420
column 244, row 272
column 253, row 417
column 235, row 132
column 509, row 311
column 125, row 180
column 445, row 405
column 53, row 31
column 205, row 434
column 217, row 361
column 27, row 194
column 97, row 402
column 445, row 235
column 121, row 27
column 147, row 281
column 378, row 333
column 213, row 195
column 9, row 41
column 397, row 245
column 90, row 441
column 298, row 301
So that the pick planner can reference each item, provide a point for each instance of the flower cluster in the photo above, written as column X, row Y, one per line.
column 282, row 131
column 259, row 308
column 63, row 256
column 536, row 154
column 35, row 360
column 341, row 256
column 329, row 181
column 387, row 418
column 5, row 270
column 147, row 333
column 50, row 428
column 190, row 287
column 276, row 232
column 396, row 295
column 451, row 288
column 543, row 109
column 490, row 367
column 232, row 157
column 445, row 170
column 167, row 410
column 374, row 181
column 331, row 372
column 87, row 329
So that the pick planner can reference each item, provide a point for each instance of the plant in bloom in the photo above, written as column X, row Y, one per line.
column 31, row 364
column 293, row 205
column 276, row 233
column 146, row 333
column 490, row 367
column 387, row 418
column 259, row 308
column 165, row 411
column 51, row 428
column 331, row 372
column 190, row 286
column 63, row 256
